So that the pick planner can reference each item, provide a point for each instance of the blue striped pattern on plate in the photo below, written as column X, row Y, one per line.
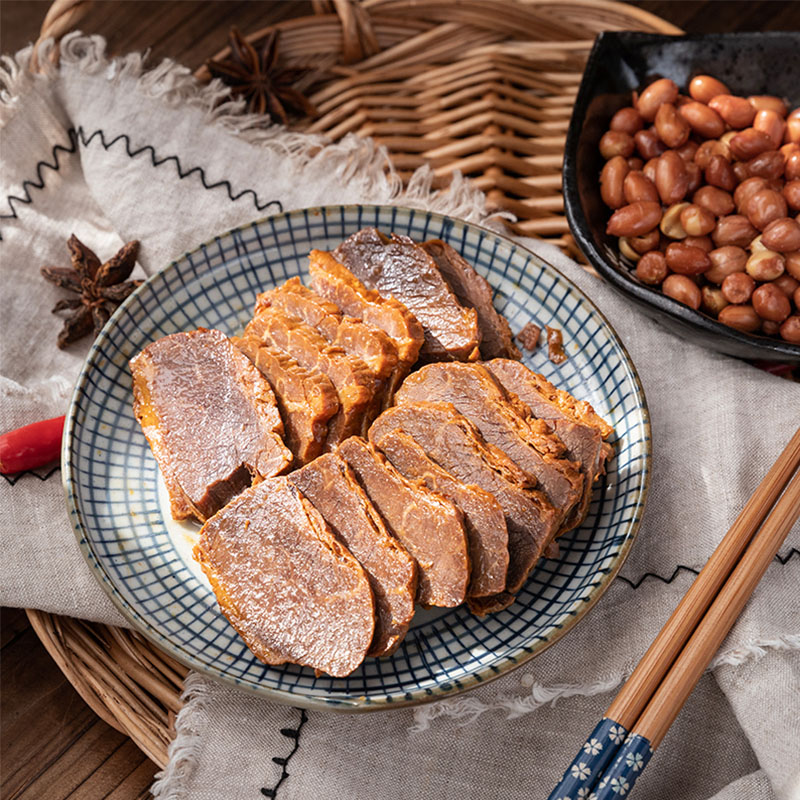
column 143, row 558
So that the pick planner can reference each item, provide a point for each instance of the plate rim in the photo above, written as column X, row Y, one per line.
column 363, row 704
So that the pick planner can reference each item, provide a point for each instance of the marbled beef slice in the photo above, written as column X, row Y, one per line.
column 428, row 526
column 483, row 401
column 210, row 417
column 336, row 283
column 474, row 291
column 306, row 399
column 293, row 592
column 456, row 445
column 350, row 376
column 487, row 535
column 398, row 267
column 334, row 491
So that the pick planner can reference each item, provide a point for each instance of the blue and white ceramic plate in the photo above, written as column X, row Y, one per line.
column 142, row 558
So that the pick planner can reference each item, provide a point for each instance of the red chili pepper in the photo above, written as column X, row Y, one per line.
column 31, row 446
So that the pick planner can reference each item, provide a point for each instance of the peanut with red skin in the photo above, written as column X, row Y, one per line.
column 697, row 221
column 694, row 177
column 790, row 330
column 765, row 206
column 688, row 150
column 705, row 87
column 767, row 102
column 652, row 268
column 616, row 143
column 703, row 120
column 745, row 190
column 769, row 328
column 712, row 147
column 765, row 265
column 736, row 111
column 792, row 261
column 791, row 193
column 635, row 163
column 712, row 300
column 743, row 318
column 793, row 126
column 772, row 124
column 646, row 242
column 740, row 170
column 791, row 167
column 749, row 143
column 670, row 224
column 725, row 261
column 687, row 260
column 639, row 188
column 771, row 303
column 703, row 242
column 782, row 235
column 634, row 219
column 628, row 120
column 717, row 201
column 671, row 127
column 719, row 173
column 612, row 179
column 796, row 298
column 769, row 165
column 671, row 179
column 738, row 287
column 787, row 284
column 733, row 229
column 648, row 144
column 656, row 94
column 683, row 289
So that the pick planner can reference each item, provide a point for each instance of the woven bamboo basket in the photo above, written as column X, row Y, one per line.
column 481, row 86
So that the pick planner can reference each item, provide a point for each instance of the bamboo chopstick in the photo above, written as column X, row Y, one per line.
column 648, row 702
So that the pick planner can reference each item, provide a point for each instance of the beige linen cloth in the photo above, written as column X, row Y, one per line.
column 111, row 151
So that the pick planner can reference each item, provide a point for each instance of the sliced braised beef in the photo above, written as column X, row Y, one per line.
column 485, row 522
column 296, row 300
column 352, row 378
column 290, row 588
column 529, row 443
column 210, row 418
column 307, row 399
column 584, row 442
column 428, row 526
column 334, row 491
column 336, row 283
column 398, row 267
column 474, row 291
column 457, row 446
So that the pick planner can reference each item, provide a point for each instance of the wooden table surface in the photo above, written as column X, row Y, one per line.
column 52, row 746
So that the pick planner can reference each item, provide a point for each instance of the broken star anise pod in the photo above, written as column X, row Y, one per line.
column 256, row 76
column 100, row 288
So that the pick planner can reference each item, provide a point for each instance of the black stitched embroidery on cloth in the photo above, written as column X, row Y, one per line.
column 78, row 135
column 12, row 479
column 283, row 763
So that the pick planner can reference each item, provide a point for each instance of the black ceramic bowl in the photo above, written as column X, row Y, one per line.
column 748, row 63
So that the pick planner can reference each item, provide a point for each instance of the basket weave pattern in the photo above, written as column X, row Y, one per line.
column 481, row 86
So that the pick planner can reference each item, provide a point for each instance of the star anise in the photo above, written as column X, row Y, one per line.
column 100, row 288
column 256, row 76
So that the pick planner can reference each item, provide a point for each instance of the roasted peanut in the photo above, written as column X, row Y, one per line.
column 702, row 119
column 769, row 328
column 771, row 303
column 719, row 173
column 756, row 246
column 743, row 318
column 638, row 187
column 740, row 171
column 626, row 250
column 671, row 179
column 782, row 235
column 711, row 148
column 683, row 289
column 765, row 206
column 654, row 96
column 745, row 190
column 703, row 242
column 670, row 224
column 790, row 330
column 616, row 143
column 791, row 193
column 725, row 261
column 635, row 163
column 736, row 111
column 627, row 120
column 649, row 170
column 792, row 261
column 686, row 260
column 670, row 126
column 787, row 284
column 712, row 300
column 793, row 126
column 796, row 297
column 694, row 177
column 648, row 144
column 733, row 229
column 767, row 121
column 704, row 88
column 652, row 268
column 769, row 165
column 791, row 168
column 749, row 143
column 646, row 242
column 767, row 102
column 612, row 179
column 738, row 288
column 688, row 150
column 717, row 201
column 634, row 219
column 765, row 265
column 696, row 220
